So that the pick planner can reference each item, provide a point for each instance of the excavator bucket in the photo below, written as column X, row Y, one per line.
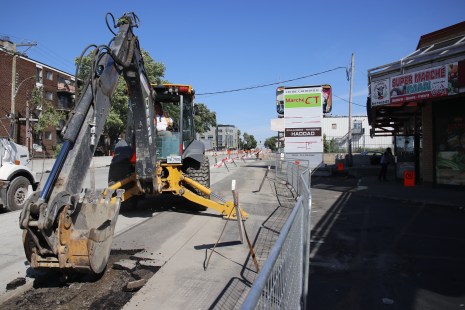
column 85, row 235
column 101, row 218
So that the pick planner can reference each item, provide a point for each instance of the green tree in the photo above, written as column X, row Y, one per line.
column 325, row 144
column 155, row 70
column 47, row 114
column 271, row 143
column 204, row 119
column 249, row 142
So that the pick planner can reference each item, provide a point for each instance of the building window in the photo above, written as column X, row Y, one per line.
column 49, row 75
column 333, row 126
column 39, row 76
column 48, row 135
column 210, row 137
column 357, row 127
column 64, row 102
column 49, row 95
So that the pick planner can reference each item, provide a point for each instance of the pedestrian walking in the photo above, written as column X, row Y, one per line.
column 385, row 160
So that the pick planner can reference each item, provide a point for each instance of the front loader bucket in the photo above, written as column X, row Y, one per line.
column 85, row 235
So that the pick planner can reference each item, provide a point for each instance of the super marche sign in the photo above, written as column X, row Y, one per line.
column 418, row 85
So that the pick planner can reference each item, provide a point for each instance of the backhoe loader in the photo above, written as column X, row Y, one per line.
column 69, row 228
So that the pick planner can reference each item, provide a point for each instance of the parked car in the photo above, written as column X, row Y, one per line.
column 375, row 156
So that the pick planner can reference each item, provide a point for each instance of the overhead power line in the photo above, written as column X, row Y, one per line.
column 269, row 84
column 348, row 101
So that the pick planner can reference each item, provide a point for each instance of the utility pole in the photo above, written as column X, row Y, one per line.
column 349, row 142
column 28, row 134
column 13, row 116
column 14, row 90
column 13, row 83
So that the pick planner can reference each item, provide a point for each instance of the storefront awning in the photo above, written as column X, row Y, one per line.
column 398, row 90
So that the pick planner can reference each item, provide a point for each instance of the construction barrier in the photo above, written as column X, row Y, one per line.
column 283, row 281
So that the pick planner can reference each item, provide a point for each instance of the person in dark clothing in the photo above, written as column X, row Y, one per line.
column 385, row 160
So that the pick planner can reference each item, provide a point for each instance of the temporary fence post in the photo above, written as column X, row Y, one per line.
column 238, row 210
column 263, row 180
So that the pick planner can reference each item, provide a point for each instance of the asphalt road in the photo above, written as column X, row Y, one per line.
column 179, row 241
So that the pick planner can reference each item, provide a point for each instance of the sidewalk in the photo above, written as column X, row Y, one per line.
column 369, row 185
column 395, row 189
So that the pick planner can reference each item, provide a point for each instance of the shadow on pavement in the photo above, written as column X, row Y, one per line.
column 372, row 253
column 145, row 207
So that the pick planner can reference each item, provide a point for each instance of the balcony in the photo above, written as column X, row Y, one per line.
column 65, row 88
column 65, row 102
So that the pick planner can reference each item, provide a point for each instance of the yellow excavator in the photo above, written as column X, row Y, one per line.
column 69, row 228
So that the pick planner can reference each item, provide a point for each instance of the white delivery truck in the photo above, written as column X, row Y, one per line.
column 15, row 176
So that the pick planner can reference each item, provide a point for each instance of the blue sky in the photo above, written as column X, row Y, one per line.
column 224, row 45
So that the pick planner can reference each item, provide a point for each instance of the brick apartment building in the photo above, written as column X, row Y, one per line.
column 420, row 100
column 19, row 75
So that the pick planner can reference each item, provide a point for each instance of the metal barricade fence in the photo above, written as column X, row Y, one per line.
column 283, row 280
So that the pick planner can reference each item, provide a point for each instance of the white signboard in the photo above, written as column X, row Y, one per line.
column 303, row 117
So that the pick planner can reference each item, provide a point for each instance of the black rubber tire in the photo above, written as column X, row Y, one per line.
column 28, row 245
column 17, row 193
column 201, row 174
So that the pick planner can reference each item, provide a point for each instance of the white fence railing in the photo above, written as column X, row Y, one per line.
column 283, row 280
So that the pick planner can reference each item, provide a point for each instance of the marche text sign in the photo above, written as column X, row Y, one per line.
column 303, row 119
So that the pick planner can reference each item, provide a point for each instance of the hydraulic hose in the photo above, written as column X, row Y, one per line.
column 46, row 191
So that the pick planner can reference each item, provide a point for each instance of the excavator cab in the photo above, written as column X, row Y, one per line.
column 177, row 104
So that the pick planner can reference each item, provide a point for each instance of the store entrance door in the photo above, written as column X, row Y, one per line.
column 405, row 154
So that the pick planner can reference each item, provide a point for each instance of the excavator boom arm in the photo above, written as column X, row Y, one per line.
column 43, row 215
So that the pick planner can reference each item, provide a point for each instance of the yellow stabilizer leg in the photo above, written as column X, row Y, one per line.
column 128, row 193
column 227, row 209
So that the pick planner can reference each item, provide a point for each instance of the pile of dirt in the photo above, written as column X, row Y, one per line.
column 53, row 290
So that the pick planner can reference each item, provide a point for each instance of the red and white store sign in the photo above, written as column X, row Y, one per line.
column 419, row 85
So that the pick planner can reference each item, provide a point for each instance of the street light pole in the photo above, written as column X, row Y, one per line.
column 349, row 142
